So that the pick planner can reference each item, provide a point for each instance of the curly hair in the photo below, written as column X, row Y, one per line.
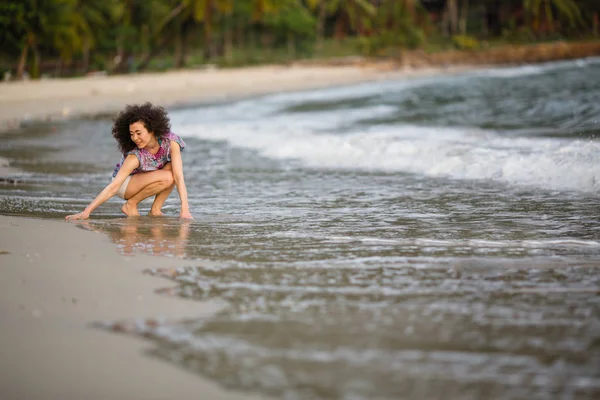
column 154, row 118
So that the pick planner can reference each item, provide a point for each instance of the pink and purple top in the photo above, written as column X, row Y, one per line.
column 149, row 161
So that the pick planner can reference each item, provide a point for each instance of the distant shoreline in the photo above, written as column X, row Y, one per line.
column 67, row 98
column 23, row 102
column 60, row 99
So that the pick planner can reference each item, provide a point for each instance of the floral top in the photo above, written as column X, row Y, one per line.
column 149, row 161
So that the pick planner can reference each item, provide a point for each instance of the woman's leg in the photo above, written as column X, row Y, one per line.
column 159, row 200
column 161, row 197
column 143, row 185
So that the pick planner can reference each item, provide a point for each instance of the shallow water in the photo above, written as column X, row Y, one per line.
column 404, row 239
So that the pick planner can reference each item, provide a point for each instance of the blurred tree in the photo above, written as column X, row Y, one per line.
column 208, row 12
column 89, row 21
column 451, row 17
column 353, row 15
column 321, row 7
column 350, row 15
column 113, row 34
column 34, row 23
column 549, row 10
column 293, row 24
column 135, row 18
column 464, row 17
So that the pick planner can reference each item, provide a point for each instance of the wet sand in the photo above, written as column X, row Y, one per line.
column 57, row 281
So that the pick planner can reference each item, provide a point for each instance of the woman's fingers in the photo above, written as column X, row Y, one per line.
column 185, row 215
column 76, row 216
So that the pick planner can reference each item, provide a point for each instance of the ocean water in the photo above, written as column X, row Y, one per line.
column 408, row 239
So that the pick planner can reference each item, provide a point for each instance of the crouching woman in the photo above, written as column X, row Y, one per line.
column 151, row 164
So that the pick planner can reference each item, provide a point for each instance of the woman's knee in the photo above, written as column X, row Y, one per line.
column 167, row 178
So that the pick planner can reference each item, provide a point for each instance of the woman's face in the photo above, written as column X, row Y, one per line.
column 140, row 135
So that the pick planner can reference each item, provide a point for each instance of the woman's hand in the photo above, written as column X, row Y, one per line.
column 185, row 215
column 81, row 215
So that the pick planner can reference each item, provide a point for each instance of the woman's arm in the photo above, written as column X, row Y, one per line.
column 177, row 165
column 131, row 162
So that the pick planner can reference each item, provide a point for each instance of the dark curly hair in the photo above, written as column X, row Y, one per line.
column 154, row 118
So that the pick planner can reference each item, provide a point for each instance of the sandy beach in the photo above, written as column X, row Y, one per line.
column 57, row 280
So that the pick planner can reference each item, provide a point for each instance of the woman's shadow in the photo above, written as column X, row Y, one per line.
column 145, row 235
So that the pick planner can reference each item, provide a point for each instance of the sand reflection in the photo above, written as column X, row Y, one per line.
column 154, row 236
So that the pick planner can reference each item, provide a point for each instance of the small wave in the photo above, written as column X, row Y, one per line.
column 448, row 243
column 437, row 152
column 526, row 70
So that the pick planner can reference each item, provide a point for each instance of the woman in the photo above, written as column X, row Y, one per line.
column 151, row 164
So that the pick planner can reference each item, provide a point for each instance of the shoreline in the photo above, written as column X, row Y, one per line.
column 57, row 281
column 46, row 100
column 24, row 102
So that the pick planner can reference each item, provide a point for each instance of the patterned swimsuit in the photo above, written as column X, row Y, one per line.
column 152, row 162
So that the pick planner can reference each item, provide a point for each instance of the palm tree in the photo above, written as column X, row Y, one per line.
column 89, row 21
column 139, row 18
column 353, row 14
column 564, row 8
column 37, row 23
column 321, row 7
column 207, row 12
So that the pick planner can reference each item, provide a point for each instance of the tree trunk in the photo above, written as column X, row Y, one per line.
column 484, row 21
column 122, row 61
column 452, row 16
column 208, row 46
column 181, row 61
column 152, row 53
column 228, row 38
column 240, row 39
column 266, row 40
column 37, row 61
column 291, row 45
column 464, row 16
column 340, row 27
column 410, row 9
column 595, row 24
column 252, row 37
column 86, row 55
column 321, row 23
column 22, row 60
column 549, row 16
column 58, row 68
column 178, row 44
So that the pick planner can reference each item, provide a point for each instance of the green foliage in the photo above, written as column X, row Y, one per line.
column 465, row 42
column 396, row 29
column 549, row 10
column 293, row 22
column 11, row 28
column 161, row 34
column 388, row 42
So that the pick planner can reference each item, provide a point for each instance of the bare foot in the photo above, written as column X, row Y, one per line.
column 130, row 210
column 153, row 213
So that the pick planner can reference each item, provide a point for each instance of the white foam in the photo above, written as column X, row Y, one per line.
column 267, row 106
column 526, row 70
column 450, row 243
column 436, row 152
column 321, row 138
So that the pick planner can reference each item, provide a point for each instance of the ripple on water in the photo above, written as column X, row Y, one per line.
column 464, row 331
